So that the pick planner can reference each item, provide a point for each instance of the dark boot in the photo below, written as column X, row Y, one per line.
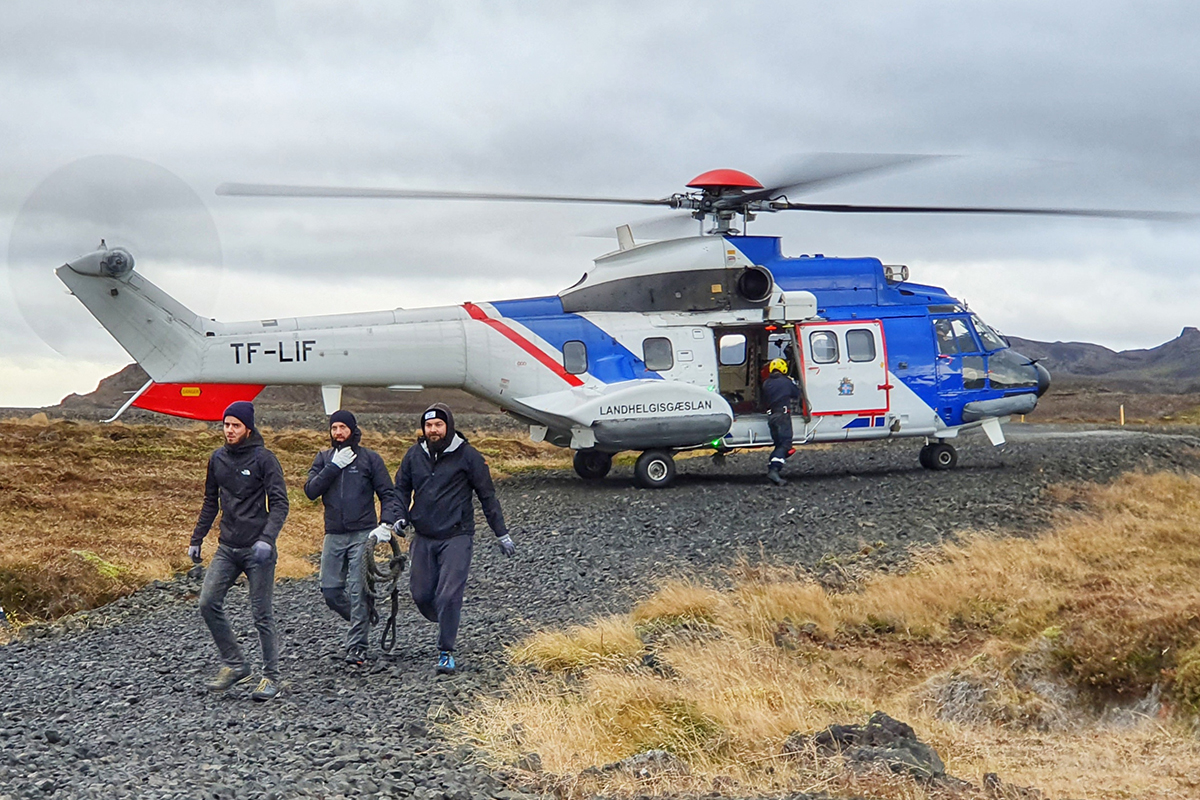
column 774, row 477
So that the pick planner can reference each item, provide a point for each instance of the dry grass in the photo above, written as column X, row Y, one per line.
column 1027, row 657
column 608, row 641
column 90, row 512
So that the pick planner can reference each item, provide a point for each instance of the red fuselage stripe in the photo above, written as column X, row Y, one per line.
column 520, row 341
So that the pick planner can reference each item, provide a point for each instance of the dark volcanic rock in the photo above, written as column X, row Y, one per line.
column 121, row 686
column 882, row 742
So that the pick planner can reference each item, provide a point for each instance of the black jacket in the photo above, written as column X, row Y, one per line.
column 349, row 493
column 245, row 482
column 778, row 392
column 438, row 488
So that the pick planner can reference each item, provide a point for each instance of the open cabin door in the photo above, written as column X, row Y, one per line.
column 844, row 367
column 743, row 353
column 739, row 353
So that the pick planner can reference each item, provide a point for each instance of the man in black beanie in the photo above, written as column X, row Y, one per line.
column 433, row 491
column 245, row 483
column 348, row 477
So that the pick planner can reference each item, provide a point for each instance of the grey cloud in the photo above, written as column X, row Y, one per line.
column 1073, row 103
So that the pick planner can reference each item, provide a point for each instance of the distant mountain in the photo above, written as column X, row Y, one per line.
column 1173, row 367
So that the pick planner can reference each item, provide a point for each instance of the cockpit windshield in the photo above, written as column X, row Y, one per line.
column 991, row 340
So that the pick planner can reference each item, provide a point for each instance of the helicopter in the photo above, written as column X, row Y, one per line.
column 659, row 348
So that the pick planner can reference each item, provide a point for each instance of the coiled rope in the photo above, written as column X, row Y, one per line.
column 376, row 580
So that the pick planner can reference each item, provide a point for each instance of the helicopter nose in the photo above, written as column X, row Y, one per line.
column 1043, row 379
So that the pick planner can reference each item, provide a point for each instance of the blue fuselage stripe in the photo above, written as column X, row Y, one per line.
column 609, row 361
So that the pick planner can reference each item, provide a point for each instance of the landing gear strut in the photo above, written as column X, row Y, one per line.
column 938, row 456
column 592, row 465
column 654, row 469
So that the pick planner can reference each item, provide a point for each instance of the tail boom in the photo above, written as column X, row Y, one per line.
column 184, row 353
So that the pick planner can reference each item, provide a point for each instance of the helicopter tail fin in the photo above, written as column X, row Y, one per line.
column 158, row 331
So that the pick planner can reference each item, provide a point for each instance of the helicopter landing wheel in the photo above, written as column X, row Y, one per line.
column 938, row 456
column 592, row 465
column 655, row 469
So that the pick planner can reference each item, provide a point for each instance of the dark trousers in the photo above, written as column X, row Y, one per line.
column 437, row 576
column 780, row 423
column 227, row 564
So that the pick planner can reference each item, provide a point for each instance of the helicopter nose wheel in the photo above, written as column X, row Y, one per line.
column 655, row 469
column 592, row 465
column 938, row 456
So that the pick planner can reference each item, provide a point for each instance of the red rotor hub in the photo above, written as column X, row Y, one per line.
column 724, row 179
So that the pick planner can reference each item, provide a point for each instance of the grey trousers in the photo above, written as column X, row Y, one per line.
column 437, row 576
column 227, row 564
column 342, row 584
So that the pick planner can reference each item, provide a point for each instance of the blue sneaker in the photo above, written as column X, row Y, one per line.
column 445, row 665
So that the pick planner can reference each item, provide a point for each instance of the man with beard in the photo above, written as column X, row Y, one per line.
column 245, row 483
column 348, row 477
column 433, row 487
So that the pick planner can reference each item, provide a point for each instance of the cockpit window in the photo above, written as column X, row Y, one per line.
column 966, row 342
column 947, row 346
column 991, row 340
column 954, row 337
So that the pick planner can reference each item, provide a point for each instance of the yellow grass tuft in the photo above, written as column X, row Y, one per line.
column 677, row 602
column 984, row 646
column 611, row 642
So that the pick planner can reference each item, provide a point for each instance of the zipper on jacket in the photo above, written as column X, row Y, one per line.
column 342, row 495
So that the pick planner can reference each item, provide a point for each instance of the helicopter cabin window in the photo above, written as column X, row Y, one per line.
column 860, row 345
column 575, row 357
column 824, row 346
column 658, row 354
column 732, row 349
column 953, row 337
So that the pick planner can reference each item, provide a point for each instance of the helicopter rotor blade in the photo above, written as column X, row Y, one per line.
column 829, row 169
column 279, row 190
column 1106, row 213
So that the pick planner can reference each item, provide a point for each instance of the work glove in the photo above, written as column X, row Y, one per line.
column 194, row 553
column 262, row 552
column 343, row 457
column 506, row 546
column 382, row 534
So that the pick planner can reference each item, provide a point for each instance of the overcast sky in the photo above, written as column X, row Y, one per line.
column 1092, row 104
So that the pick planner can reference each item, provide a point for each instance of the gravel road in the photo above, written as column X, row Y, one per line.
column 109, row 704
